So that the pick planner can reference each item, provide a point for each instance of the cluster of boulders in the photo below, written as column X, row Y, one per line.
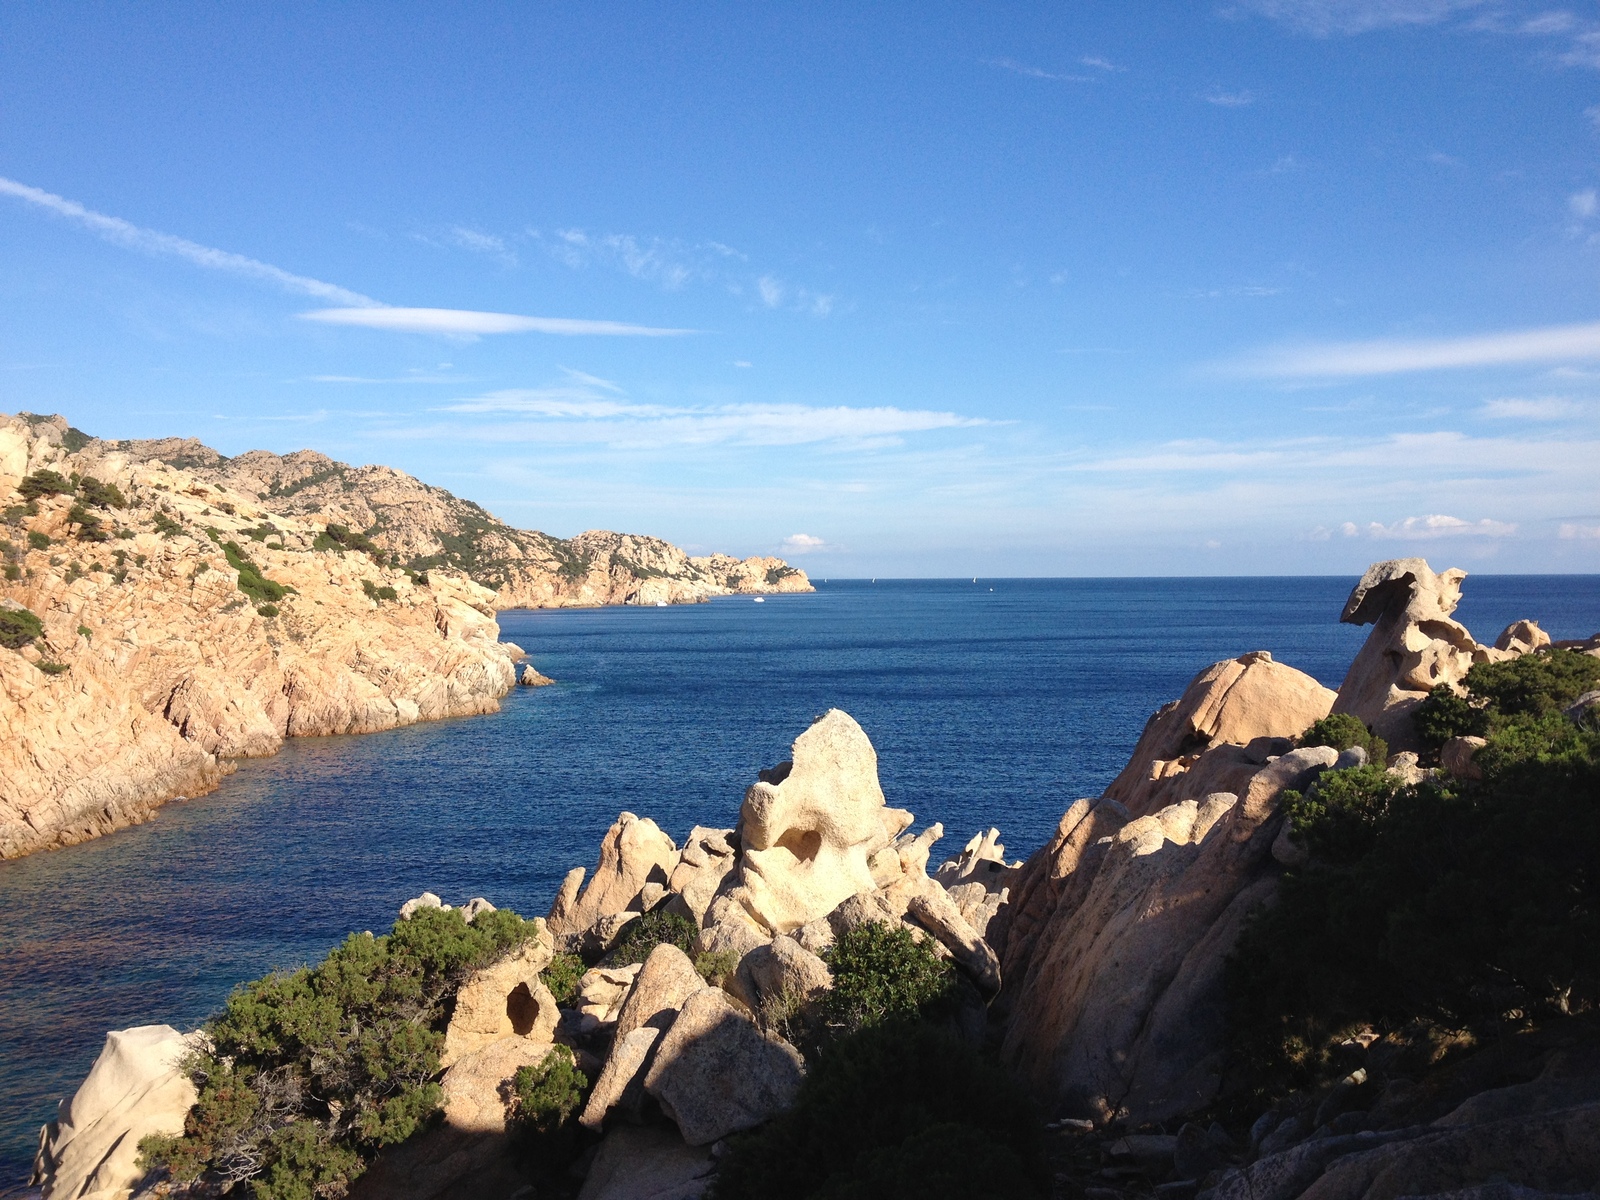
column 1100, row 957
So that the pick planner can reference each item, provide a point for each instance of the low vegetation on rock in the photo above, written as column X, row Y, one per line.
column 644, row 934
column 18, row 627
column 311, row 1073
column 1468, row 903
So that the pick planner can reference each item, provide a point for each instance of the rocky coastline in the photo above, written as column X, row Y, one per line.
column 1095, row 970
column 165, row 611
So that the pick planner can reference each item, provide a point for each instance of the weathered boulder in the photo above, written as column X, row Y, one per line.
column 504, row 1000
column 730, row 929
column 649, row 1163
column 601, row 992
column 1414, row 645
column 1230, row 703
column 620, row 1084
column 477, row 1088
column 532, row 678
column 633, row 852
column 716, row 1073
column 707, row 857
column 1522, row 637
column 1455, row 756
column 665, row 980
column 134, row 1089
column 936, row 912
column 781, row 973
column 1115, row 1002
column 809, row 828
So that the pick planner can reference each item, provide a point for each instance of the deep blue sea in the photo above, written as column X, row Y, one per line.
column 990, row 703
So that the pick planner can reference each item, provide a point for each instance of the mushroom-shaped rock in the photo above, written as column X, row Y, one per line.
column 1414, row 645
column 1233, row 702
column 633, row 852
column 504, row 999
column 134, row 1089
column 809, row 830
column 716, row 1073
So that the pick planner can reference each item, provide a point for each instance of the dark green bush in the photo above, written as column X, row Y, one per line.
column 374, row 592
column 1342, row 731
column 18, row 627
column 643, row 935
column 1448, row 902
column 268, row 610
column 562, row 976
column 546, row 1100
column 1530, row 685
column 314, row 1071
column 44, row 483
column 101, row 495
column 252, row 582
column 900, row 1109
column 165, row 525
column 882, row 973
column 342, row 538
column 38, row 541
column 90, row 527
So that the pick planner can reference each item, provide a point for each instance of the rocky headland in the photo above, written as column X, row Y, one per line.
column 683, row 1018
column 165, row 610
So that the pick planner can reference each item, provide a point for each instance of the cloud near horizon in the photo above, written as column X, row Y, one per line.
column 1390, row 356
column 1436, row 525
column 466, row 323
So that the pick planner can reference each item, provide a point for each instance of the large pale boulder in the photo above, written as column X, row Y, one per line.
column 505, row 999
column 633, row 853
column 809, row 829
column 134, row 1089
column 601, row 992
column 780, row 975
column 620, row 1084
column 1233, row 703
column 647, row 1163
column 716, row 1073
column 666, row 979
column 1116, row 998
column 477, row 1088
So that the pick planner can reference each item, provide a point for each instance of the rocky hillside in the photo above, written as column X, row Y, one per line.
column 411, row 525
column 791, row 1008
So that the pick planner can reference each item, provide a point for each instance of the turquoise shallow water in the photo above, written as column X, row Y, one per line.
column 987, row 707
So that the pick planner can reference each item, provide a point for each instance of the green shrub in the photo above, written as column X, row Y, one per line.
column 165, row 525
column 882, row 973
column 85, row 632
column 644, row 934
column 38, row 541
column 1530, row 685
column 90, row 527
column 252, row 582
column 342, row 538
column 716, row 966
column 900, row 1109
column 44, row 483
column 13, row 572
column 562, row 976
column 55, row 668
column 1448, row 902
column 101, row 495
column 545, row 1101
column 18, row 627
column 376, row 593
column 312, row 1072
column 268, row 610
column 1343, row 731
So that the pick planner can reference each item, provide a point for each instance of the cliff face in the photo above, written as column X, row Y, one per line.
column 424, row 528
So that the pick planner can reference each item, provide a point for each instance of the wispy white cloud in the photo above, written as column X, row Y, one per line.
column 1388, row 356
column 585, row 409
column 483, row 243
column 1572, row 530
column 1224, row 99
column 1322, row 18
column 1032, row 72
column 1429, row 528
column 465, row 323
column 1100, row 64
column 1529, row 408
column 150, row 241
column 1584, row 204
column 803, row 543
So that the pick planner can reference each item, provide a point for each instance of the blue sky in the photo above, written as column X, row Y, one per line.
column 1273, row 286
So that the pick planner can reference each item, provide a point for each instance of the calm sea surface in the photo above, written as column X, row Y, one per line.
column 995, row 703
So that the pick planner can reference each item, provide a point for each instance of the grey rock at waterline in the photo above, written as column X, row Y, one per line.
column 716, row 1073
column 531, row 678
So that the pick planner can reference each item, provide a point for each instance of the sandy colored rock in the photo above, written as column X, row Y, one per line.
column 1233, row 702
column 716, row 1073
column 621, row 1081
column 633, row 852
column 134, row 1089
column 807, row 835
column 648, row 1163
column 531, row 678
column 933, row 909
column 1115, row 998
column 665, row 980
column 602, row 990
column 781, row 973
column 708, row 856
column 1522, row 637
column 503, row 1000
column 477, row 1088
column 1414, row 646
column 1456, row 755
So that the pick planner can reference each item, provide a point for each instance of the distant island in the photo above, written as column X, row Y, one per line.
column 166, row 609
